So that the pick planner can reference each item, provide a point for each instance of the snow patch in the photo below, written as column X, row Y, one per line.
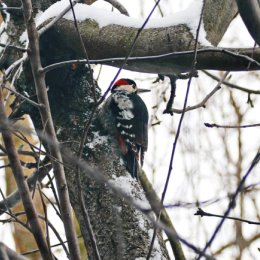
column 157, row 252
column 125, row 183
column 128, row 185
column 119, row 209
column 97, row 140
column 190, row 17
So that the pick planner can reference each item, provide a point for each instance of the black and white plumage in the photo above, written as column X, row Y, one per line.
column 125, row 116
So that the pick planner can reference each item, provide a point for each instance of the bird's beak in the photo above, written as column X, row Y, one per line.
column 142, row 90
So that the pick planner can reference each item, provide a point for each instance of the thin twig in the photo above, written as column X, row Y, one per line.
column 57, row 234
column 45, row 216
column 253, row 52
column 9, row 46
column 14, row 78
column 14, row 218
column 173, row 79
column 204, row 101
column 160, row 9
column 85, row 53
column 227, row 83
column 118, row 6
column 200, row 104
column 168, row 109
column 11, row 8
column 5, row 202
column 203, row 213
column 12, row 199
column 33, row 103
column 52, row 204
column 230, row 126
column 15, row 64
column 148, row 58
column 56, row 19
column 52, row 246
column 232, row 53
column 231, row 203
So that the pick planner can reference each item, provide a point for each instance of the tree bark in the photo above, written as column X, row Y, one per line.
column 120, row 230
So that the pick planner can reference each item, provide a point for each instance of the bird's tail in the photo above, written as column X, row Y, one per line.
column 132, row 163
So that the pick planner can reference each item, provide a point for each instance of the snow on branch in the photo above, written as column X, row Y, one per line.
column 103, row 18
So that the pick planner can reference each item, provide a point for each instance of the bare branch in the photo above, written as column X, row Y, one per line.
column 203, row 213
column 22, row 184
column 15, row 64
column 201, row 104
column 204, row 101
column 13, row 47
column 118, row 6
column 220, row 59
column 10, row 8
column 156, row 205
column 11, row 200
column 230, row 126
column 168, row 109
column 7, row 253
column 56, row 19
column 251, row 91
column 41, row 90
column 231, row 203
column 23, row 97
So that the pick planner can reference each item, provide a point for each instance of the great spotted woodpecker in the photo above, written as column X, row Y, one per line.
column 124, row 115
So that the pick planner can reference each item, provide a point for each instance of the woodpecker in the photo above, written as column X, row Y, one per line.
column 124, row 115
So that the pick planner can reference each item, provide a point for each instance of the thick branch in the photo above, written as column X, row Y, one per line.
column 250, row 13
column 155, row 203
column 7, row 253
column 158, row 50
column 217, row 17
